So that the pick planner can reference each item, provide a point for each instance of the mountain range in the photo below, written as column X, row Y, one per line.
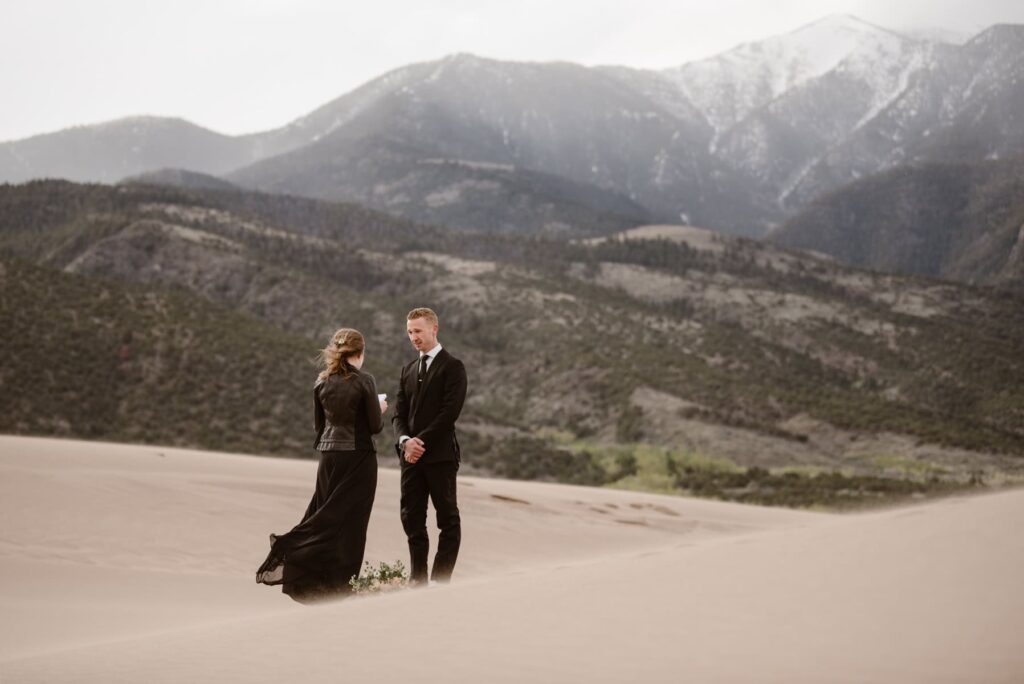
column 738, row 142
column 176, row 289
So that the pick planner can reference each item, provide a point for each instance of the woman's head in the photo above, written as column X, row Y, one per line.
column 345, row 349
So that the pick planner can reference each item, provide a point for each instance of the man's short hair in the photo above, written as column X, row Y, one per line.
column 423, row 312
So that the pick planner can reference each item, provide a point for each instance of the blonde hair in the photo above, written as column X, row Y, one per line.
column 423, row 312
column 345, row 343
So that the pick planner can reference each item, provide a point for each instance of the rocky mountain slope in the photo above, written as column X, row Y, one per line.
column 181, row 178
column 669, row 357
column 956, row 221
column 110, row 151
column 961, row 105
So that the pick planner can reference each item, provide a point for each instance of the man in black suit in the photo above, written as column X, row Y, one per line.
column 430, row 397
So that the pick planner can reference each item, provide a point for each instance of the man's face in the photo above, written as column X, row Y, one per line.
column 422, row 334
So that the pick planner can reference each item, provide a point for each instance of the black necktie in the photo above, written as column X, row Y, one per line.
column 423, row 369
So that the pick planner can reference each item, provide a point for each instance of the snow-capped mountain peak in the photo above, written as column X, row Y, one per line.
column 732, row 84
column 819, row 47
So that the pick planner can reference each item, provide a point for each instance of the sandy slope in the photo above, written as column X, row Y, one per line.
column 131, row 563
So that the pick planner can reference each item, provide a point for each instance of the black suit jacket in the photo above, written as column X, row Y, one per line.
column 428, row 410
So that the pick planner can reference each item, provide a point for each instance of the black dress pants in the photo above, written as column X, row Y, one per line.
column 435, row 481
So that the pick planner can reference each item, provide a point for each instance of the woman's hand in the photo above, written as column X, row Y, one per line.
column 383, row 405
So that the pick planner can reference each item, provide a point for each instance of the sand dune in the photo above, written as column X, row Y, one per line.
column 134, row 563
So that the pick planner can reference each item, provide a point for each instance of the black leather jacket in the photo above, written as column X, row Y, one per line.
column 346, row 412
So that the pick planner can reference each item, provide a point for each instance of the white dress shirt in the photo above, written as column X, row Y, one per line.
column 431, row 354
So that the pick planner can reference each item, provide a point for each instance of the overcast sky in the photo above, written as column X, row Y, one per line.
column 238, row 66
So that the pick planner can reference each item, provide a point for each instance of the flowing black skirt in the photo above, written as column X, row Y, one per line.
column 318, row 556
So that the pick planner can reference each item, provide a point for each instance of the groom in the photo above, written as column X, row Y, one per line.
column 430, row 396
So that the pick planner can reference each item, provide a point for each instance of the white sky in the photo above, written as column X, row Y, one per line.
column 238, row 66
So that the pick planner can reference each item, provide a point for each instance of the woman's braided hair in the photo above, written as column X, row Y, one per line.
column 345, row 343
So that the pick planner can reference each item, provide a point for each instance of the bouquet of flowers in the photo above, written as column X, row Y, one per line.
column 385, row 577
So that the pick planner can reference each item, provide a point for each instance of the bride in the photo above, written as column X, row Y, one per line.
column 319, row 556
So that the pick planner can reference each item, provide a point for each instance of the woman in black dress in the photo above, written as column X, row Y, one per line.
column 318, row 556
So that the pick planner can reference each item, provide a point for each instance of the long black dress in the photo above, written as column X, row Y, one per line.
column 318, row 556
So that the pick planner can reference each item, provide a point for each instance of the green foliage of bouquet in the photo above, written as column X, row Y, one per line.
column 385, row 577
